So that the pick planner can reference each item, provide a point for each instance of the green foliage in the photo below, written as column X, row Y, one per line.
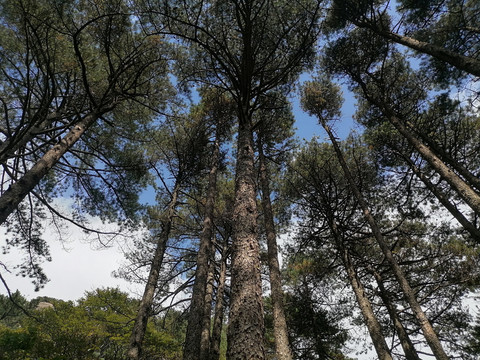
column 474, row 338
column 440, row 25
column 321, row 98
column 343, row 11
column 451, row 24
column 11, row 311
column 248, row 48
column 98, row 326
column 62, row 61
column 314, row 333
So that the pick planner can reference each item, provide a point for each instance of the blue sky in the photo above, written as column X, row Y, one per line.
column 76, row 267
column 308, row 127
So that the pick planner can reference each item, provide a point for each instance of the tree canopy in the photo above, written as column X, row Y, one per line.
column 172, row 123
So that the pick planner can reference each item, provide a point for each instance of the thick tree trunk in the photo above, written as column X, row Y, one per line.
column 282, row 346
column 219, row 310
column 11, row 198
column 427, row 329
column 193, row 349
column 461, row 62
column 405, row 342
column 143, row 313
column 246, row 328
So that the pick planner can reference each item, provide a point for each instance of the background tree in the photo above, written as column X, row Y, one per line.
column 332, row 218
column 217, row 110
column 444, row 30
column 96, row 326
column 182, row 148
column 322, row 100
column 274, row 130
column 247, row 48
column 411, row 97
column 64, row 75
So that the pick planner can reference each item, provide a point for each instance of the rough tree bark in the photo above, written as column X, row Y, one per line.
column 207, row 313
column 427, row 328
column 140, row 326
column 196, row 346
column 282, row 346
column 219, row 309
column 246, row 329
column 11, row 198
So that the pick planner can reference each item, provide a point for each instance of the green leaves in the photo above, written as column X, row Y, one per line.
column 98, row 326
column 321, row 98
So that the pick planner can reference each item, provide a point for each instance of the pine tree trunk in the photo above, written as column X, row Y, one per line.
column 461, row 62
column 371, row 321
column 427, row 329
column 462, row 170
column 207, row 313
column 219, row 310
column 10, row 146
column 282, row 346
column 373, row 326
column 11, row 198
column 193, row 349
column 246, row 328
column 143, row 313
column 466, row 192
column 405, row 342
column 444, row 200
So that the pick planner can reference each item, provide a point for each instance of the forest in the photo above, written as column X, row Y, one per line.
column 173, row 121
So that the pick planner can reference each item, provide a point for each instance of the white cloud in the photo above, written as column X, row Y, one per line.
column 79, row 262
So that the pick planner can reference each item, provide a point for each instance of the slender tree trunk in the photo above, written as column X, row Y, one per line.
column 444, row 200
column 207, row 313
column 143, row 313
column 462, row 170
column 373, row 326
column 282, row 346
column 219, row 309
column 461, row 62
column 246, row 328
column 427, row 329
column 11, row 198
column 465, row 191
column 405, row 342
column 193, row 349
